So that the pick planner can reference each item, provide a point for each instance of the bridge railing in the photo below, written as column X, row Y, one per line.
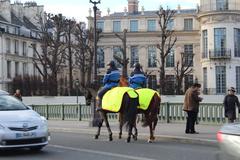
column 209, row 113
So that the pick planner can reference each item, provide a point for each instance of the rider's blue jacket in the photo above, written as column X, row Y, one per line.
column 111, row 78
column 137, row 79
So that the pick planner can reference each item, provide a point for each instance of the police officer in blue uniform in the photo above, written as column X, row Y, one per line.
column 137, row 78
column 110, row 80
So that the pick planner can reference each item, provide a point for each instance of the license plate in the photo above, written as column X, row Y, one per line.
column 26, row 134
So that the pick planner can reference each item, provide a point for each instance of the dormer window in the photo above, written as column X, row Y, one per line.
column 222, row 5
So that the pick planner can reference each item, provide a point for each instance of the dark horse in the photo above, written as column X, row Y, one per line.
column 150, row 112
column 127, row 114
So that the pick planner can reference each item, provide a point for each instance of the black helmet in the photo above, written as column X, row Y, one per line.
column 137, row 66
column 111, row 64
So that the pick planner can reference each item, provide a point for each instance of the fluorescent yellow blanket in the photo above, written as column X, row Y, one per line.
column 112, row 100
column 145, row 97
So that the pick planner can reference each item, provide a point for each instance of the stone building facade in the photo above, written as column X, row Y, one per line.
column 210, row 32
column 18, row 32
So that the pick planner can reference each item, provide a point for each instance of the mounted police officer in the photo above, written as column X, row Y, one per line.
column 110, row 80
column 137, row 78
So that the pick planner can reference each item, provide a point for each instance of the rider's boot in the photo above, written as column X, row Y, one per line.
column 98, row 104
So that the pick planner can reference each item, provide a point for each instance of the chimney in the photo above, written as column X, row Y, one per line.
column 17, row 9
column 133, row 6
column 178, row 8
column 5, row 10
column 33, row 11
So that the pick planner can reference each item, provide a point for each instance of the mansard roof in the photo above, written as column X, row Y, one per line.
column 149, row 13
column 2, row 19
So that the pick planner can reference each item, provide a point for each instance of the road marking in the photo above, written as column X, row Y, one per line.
column 100, row 152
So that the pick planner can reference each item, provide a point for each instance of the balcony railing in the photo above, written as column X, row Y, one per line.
column 220, row 54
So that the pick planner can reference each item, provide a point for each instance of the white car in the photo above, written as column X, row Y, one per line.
column 20, row 126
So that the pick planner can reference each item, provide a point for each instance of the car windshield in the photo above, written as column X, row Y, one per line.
column 9, row 103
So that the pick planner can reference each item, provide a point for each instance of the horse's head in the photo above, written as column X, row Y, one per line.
column 123, row 82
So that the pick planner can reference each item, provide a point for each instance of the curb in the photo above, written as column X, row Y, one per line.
column 142, row 136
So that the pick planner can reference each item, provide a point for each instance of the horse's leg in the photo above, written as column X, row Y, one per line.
column 154, row 125
column 149, row 122
column 99, row 126
column 108, row 126
column 120, row 125
column 135, row 131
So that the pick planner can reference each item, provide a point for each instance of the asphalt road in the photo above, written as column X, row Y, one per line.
column 73, row 146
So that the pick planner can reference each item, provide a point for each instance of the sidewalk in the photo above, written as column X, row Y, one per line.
column 164, row 131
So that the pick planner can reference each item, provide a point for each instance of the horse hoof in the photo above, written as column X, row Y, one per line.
column 110, row 138
column 120, row 137
column 96, row 137
column 134, row 137
column 150, row 141
column 128, row 139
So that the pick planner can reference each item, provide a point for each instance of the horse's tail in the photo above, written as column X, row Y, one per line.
column 131, row 105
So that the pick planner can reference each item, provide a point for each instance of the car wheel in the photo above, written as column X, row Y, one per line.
column 36, row 149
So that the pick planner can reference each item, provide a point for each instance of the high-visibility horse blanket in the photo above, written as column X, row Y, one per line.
column 112, row 100
column 145, row 96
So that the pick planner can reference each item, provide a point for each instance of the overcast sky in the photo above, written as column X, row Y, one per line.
column 79, row 8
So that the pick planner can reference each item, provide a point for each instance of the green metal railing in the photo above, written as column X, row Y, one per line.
column 169, row 112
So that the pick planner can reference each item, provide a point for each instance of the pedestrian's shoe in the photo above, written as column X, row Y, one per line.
column 194, row 132
column 187, row 132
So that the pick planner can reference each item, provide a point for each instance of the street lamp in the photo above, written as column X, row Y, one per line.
column 77, row 85
column 95, row 37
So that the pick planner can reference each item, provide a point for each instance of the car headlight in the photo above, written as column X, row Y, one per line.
column 44, row 124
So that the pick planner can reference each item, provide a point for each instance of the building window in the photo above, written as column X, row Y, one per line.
column 236, row 42
column 238, row 79
column 204, row 44
column 170, row 24
column 222, row 5
column 152, row 57
column 8, row 48
column 151, row 25
column 170, row 59
column 118, row 53
column 188, row 81
column 188, row 55
column 116, row 26
column 24, row 48
column 188, row 24
column 25, row 69
column 16, row 47
column 133, row 25
column 34, row 47
column 100, row 57
column 220, row 79
column 9, row 69
column 134, row 55
column 16, row 68
column 152, row 81
column 100, row 25
column 219, row 41
column 170, row 85
column 205, row 80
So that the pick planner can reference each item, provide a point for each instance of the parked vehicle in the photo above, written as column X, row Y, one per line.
column 229, row 139
column 20, row 126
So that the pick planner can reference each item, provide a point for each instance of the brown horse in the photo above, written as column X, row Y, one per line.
column 150, row 112
column 127, row 114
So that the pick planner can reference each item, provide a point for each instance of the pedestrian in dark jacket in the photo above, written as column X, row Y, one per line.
column 18, row 95
column 230, row 102
column 110, row 80
column 191, row 106
column 137, row 78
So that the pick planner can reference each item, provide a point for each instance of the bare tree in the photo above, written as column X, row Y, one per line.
column 69, row 29
column 167, row 41
column 123, row 60
column 182, row 69
column 51, row 57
